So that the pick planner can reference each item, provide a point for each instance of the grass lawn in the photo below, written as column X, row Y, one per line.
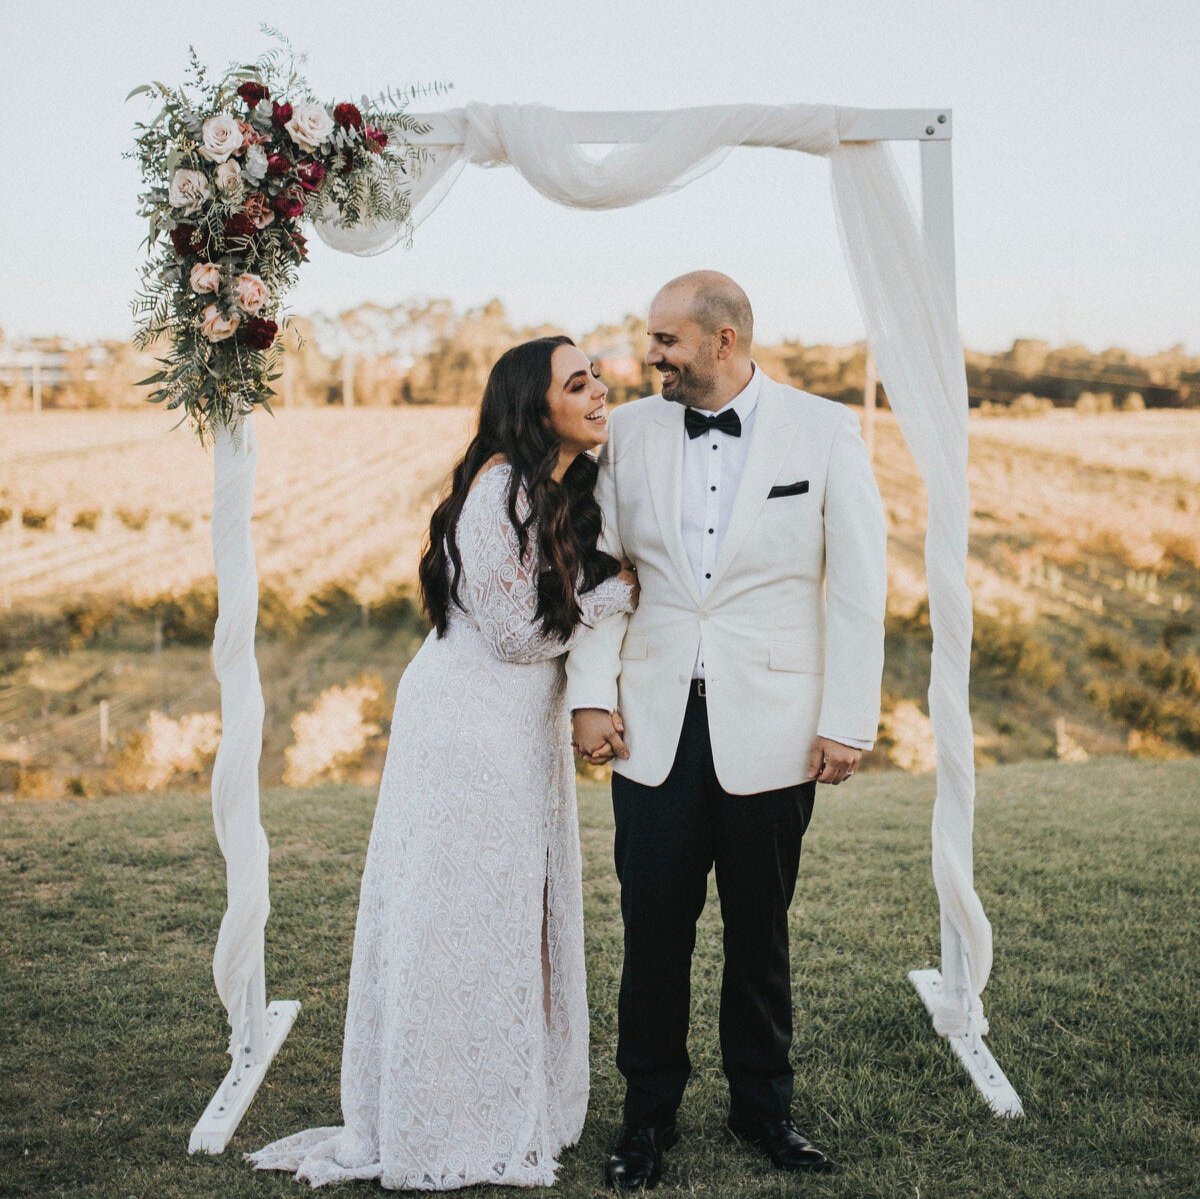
column 113, row 1035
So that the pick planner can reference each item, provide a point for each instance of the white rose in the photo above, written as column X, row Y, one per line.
column 229, row 176
column 221, row 137
column 189, row 190
column 310, row 126
column 254, row 165
column 252, row 293
column 216, row 326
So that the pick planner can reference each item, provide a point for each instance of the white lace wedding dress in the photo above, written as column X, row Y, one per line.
column 451, row 1072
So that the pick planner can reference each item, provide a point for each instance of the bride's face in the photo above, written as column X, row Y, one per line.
column 576, row 398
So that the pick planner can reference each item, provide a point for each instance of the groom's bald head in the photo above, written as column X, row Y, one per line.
column 714, row 302
column 700, row 326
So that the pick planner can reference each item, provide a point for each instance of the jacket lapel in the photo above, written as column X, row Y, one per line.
column 776, row 424
column 663, row 449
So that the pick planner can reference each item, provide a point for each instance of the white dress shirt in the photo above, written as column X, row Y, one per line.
column 712, row 469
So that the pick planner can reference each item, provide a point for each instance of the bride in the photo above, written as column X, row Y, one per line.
column 465, row 1054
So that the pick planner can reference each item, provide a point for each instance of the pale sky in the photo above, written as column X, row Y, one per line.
column 1076, row 154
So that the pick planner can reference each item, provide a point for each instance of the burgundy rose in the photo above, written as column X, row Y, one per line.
column 278, row 164
column 239, row 227
column 347, row 116
column 375, row 139
column 310, row 175
column 183, row 238
column 280, row 115
column 260, row 333
column 290, row 204
column 252, row 93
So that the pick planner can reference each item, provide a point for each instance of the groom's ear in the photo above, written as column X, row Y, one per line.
column 726, row 342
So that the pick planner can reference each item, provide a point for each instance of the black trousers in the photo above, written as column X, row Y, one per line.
column 668, row 838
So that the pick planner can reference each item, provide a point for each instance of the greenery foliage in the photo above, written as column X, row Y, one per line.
column 232, row 168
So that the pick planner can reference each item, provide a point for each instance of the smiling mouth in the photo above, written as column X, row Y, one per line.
column 597, row 417
column 669, row 375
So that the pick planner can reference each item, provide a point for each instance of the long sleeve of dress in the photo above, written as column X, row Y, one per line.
column 499, row 588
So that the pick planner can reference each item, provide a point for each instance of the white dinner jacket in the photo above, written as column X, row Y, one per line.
column 792, row 619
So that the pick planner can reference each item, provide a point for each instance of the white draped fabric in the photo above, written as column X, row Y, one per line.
column 238, row 961
column 912, row 332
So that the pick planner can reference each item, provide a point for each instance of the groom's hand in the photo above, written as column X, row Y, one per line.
column 832, row 762
column 597, row 735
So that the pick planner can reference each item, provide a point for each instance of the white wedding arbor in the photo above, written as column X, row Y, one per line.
column 903, row 274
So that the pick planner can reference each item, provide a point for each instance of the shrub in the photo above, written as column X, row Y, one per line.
column 36, row 783
column 167, row 749
column 188, row 618
column 86, row 518
column 1107, row 647
column 331, row 737
column 37, row 518
column 1174, row 630
column 1132, row 401
column 907, row 735
column 1160, row 669
column 89, row 616
column 1134, row 705
column 1007, row 650
column 1027, row 404
column 135, row 519
column 1189, row 675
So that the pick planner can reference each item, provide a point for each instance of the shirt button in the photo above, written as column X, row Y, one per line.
column 713, row 488
column 708, row 576
column 714, row 446
column 712, row 530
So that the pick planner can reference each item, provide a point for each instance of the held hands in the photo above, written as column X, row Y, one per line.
column 831, row 762
column 628, row 574
column 597, row 735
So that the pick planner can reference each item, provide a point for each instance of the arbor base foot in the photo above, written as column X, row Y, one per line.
column 971, row 1050
column 227, row 1107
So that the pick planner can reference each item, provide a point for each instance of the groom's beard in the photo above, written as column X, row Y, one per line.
column 693, row 386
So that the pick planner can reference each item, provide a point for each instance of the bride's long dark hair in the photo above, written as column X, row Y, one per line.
column 514, row 420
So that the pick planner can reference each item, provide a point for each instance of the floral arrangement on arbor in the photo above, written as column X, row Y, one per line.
column 232, row 169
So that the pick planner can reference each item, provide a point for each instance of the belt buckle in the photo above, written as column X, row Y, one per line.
column 700, row 689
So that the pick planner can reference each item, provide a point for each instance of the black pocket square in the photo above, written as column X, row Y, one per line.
column 788, row 489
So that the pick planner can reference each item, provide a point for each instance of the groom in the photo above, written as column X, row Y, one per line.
column 749, row 673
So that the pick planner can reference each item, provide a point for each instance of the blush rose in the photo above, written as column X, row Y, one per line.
column 205, row 278
column 216, row 326
column 252, row 293
column 221, row 137
column 310, row 126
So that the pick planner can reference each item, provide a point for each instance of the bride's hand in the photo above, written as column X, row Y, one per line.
column 628, row 574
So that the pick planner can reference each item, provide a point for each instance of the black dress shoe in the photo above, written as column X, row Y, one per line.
column 783, row 1144
column 636, row 1160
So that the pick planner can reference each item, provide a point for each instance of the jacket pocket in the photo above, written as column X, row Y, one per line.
column 635, row 647
column 788, row 489
column 796, row 656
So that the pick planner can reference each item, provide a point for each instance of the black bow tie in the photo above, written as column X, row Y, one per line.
column 696, row 423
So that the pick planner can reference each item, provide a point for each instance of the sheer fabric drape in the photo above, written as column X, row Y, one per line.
column 912, row 332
